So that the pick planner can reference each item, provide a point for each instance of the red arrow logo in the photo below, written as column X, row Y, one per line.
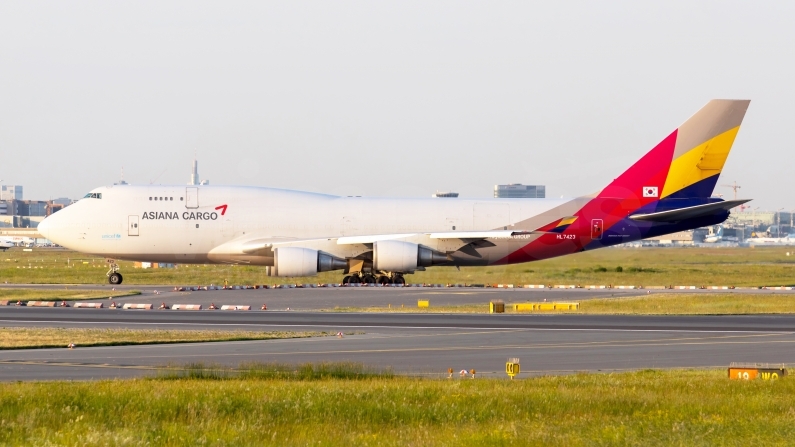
column 222, row 208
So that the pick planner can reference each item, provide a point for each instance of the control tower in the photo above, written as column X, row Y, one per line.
column 194, row 175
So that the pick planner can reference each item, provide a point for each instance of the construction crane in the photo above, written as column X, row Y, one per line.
column 735, row 187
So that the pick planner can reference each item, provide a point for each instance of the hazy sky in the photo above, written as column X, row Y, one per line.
column 385, row 98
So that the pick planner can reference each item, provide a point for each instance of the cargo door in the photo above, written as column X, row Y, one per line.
column 191, row 197
column 132, row 226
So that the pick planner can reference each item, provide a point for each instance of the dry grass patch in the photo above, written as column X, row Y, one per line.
column 462, row 309
column 654, row 304
column 24, row 338
column 692, row 304
column 65, row 294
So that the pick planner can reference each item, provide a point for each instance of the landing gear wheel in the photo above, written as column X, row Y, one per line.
column 115, row 278
column 354, row 280
column 346, row 279
column 399, row 280
column 384, row 280
column 369, row 279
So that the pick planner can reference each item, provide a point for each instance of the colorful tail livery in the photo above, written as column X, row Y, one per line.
column 666, row 191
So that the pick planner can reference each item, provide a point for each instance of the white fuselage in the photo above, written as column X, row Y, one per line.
column 209, row 223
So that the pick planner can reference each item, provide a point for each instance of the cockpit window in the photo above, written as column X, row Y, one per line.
column 93, row 195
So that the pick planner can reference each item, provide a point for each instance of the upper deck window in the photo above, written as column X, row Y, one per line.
column 93, row 195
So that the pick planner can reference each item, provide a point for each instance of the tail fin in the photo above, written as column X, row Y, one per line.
column 687, row 163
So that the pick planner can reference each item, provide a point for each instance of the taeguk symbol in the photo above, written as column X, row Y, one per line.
column 650, row 191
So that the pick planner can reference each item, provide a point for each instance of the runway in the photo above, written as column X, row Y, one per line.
column 265, row 320
column 421, row 344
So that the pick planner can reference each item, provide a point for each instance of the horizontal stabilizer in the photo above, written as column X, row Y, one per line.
column 691, row 212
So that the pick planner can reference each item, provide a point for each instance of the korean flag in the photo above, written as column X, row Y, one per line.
column 650, row 191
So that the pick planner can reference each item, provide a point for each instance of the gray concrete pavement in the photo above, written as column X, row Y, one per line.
column 413, row 343
column 409, row 343
column 329, row 298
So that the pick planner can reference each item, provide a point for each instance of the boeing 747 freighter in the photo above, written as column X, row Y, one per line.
column 378, row 239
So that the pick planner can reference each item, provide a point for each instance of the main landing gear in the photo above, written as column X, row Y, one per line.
column 368, row 278
column 114, row 277
column 359, row 278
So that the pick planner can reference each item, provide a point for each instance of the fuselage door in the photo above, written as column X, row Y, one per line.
column 191, row 197
column 597, row 227
column 132, row 225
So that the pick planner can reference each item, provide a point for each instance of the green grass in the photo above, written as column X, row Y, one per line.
column 656, row 304
column 14, row 294
column 29, row 337
column 761, row 266
column 692, row 408
column 275, row 371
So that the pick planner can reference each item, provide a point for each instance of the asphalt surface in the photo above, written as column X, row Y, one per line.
column 343, row 297
column 423, row 344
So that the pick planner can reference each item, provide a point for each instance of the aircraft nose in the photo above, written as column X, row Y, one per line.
column 57, row 227
column 44, row 227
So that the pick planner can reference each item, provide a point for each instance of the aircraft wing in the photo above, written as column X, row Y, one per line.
column 691, row 212
column 352, row 246
column 266, row 245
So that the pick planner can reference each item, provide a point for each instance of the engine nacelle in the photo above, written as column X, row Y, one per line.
column 297, row 261
column 400, row 256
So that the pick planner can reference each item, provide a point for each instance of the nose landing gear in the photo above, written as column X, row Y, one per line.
column 114, row 277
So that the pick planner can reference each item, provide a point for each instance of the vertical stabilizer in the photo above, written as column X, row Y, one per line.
column 687, row 163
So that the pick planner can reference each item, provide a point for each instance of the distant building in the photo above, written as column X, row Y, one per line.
column 519, row 191
column 448, row 194
column 65, row 201
column 27, row 213
column 11, row 192
column 53, row 207
column 8, row 207
column 29, row 208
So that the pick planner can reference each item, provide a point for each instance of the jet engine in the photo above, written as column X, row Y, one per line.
column 296, row 261
column 400, row 256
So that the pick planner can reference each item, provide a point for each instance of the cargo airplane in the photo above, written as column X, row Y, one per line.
column 296, row 233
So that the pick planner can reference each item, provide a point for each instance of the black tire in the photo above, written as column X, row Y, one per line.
column 115, row 279
column 384, row 280
column 346, row 279
column 354, row 280
column 399, row 280
column 369, row 279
